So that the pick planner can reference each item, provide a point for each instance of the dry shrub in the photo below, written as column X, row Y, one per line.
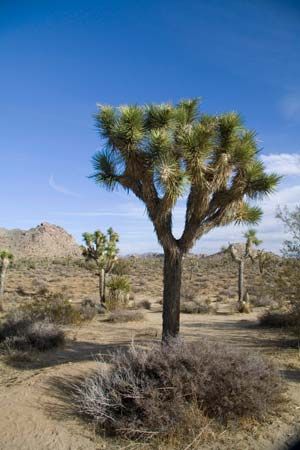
column 188, row 292
column 121, row 267
column 288, row 319
column 197, row 307
column 263, row 301
column 88, row 309
column 18, row 333
column 123, row 315
column 287, row 296
column 150, row 392
column 144, row 304
column 53, row 308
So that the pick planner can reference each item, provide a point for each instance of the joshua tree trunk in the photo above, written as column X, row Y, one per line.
column 102, row 286
column 5, row 264
column 171, row 294
column 241, row 281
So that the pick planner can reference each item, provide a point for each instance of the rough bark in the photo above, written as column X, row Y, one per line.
column 171, row 294
column 102, row 286
column 4, row 266
column 241, row 281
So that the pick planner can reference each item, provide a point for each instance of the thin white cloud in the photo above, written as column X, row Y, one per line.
column 290, row 106
column 282, row 163
column 62, row 189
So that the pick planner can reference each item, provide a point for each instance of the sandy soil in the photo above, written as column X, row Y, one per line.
column 33, row 417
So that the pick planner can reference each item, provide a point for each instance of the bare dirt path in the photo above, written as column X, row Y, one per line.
column 33, row 418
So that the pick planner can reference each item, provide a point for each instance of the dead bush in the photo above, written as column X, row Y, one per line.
column 150, row 392
column 123, row 315
column 19, row 333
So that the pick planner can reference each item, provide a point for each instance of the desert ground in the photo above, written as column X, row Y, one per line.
column 35, row 414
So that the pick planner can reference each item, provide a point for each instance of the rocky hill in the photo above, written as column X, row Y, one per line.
column 44, row 241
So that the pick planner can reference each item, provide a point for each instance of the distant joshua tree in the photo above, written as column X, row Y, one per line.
column 5, row 260
column 161, row 152
column 103, row 250
column 240, row 253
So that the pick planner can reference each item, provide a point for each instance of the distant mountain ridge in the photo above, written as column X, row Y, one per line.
column 44, row 241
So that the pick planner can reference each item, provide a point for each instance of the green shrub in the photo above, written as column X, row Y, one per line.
column 121, row 267
column 150, row 392
column 53, row 308
column 118, row 292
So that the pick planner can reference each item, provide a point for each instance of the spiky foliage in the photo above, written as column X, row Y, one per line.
column 241, row 252
column 5, row 255
column 161, row 152
column 103, row 250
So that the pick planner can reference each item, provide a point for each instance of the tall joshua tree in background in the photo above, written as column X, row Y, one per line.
column 103, row 250
column 159, row 152
column 5, row 259
column 240, row 253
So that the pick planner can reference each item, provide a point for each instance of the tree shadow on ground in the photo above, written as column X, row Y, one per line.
column 244, row 333
column 73, row 352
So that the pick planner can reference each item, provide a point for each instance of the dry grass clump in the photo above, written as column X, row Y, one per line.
column 148, row 393
column 123, row 315
column 23, row 334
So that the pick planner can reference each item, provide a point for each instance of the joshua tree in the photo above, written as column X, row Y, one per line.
column 240, row 253
column 103, row 250
column 160, row 152
column 5, row 260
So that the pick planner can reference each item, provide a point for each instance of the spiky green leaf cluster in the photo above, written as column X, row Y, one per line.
column 101, row 248
column 250, row 236
column 6, row 257
column 160, row 152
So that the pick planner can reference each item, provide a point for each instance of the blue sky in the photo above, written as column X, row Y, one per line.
column 59, row 58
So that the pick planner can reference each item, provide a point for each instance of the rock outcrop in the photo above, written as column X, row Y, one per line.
column 44, row 241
